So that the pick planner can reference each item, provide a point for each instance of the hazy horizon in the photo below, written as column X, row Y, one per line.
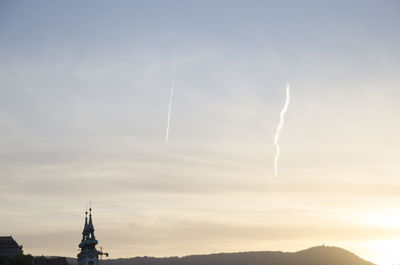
column 84, row 95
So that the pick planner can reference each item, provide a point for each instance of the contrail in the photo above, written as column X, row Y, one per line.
column 171, row 95
column 279, row 129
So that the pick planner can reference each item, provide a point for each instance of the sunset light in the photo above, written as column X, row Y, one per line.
column 199, row 132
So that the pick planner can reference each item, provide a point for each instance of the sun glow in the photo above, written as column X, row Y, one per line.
column 385, row 250
column 382, row 252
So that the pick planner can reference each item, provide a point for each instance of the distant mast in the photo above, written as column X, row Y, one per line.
column 89, row 255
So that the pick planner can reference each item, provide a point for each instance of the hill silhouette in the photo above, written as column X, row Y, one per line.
column 313, row 256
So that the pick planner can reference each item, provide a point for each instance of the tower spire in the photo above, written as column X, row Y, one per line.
column 90, row 224
column 86, row 220
column 89, row 254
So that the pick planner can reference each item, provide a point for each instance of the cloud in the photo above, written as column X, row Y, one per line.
column 154, row 237
column 82, row 117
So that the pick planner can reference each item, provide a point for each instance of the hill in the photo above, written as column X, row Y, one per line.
column 313, row 256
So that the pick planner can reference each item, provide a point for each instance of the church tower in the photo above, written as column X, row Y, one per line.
column 89, row 255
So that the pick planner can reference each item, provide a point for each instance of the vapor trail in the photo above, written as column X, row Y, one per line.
column 171, row 95
column 279, row 129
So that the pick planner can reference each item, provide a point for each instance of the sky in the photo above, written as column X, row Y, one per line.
column 84, row 94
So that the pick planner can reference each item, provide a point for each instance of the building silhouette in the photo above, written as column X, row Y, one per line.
column 9, row 247
column 50, row 261
column 88, row 255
